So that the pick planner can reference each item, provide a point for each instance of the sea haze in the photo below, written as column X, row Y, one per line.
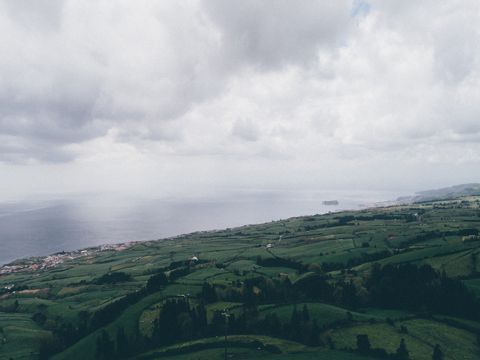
column 42, row 227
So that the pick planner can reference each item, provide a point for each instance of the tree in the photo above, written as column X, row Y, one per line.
column 272, row 325
column 156, row 282
column 105, row 347
column 167, row 327
column 112, row 278
column 473, row 262
column 305, row 313
column 39, row 318
column 209, row 295
column 402, row 352
column 313, row 338
column 201, row 319
column 363, row 344
column 295, row 325
column 437, row 353
column 49, row 345
column 122, row 343
column 217, row 325
column 83, row 318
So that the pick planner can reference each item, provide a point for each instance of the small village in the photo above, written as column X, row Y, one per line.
column 46, row 262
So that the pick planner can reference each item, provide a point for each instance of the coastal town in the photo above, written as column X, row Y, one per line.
column 46, row 262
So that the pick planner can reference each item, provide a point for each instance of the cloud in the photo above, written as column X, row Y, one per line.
column 261, row 84
column 100, row 66
column 42, row 14
column 273, row 33
column 245, row 130
column 74, row 70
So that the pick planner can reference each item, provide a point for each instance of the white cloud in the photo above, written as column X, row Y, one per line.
column 273, row 33
column 240, row 91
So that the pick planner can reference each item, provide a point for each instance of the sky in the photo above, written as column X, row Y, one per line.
column 194, row 97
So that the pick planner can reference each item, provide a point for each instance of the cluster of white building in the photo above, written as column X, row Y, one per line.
column 8, row 269
column 50, row 261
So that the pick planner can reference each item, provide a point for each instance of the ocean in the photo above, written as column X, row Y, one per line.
column 42, row 227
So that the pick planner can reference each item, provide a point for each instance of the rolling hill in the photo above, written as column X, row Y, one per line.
column 346, row 285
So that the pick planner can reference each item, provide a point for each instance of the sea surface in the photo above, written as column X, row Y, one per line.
column 42, row 227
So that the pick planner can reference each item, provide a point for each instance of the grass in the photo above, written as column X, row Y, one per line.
column 20, row 336
column 286, row 350
column 250, row 354
column 325, row 314
column 85, row 348
column 420, row 339
column 316, row 239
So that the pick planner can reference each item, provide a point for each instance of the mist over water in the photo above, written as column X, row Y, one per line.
column 42, row 227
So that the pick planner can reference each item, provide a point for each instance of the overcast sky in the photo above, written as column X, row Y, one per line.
column 187, row 98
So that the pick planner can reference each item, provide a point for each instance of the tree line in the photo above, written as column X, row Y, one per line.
column 411, row 287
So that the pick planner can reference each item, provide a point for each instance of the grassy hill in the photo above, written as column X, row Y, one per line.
column 300, row 288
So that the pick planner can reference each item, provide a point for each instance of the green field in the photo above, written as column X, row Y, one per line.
column 323, row 263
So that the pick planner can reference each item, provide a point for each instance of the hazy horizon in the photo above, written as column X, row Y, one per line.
column 190, row 99
column 43, row 227
column 140, row 105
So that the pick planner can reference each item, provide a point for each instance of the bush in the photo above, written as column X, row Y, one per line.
column 39, row 318
column 156, row 282
column 112, row 278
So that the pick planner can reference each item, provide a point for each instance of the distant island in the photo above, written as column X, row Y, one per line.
column 446, row 193
column 330, row 202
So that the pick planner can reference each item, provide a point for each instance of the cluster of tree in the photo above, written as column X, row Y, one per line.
column 176, row 321
column 179, row 321
column 112, row 278
column 402, row 353
column 174, row 265
column 66, row 334
column 349, row 219
column 340, row 222
column 156, row 282
column 420, row 288
column 251, row 291
column 281, row 262
column 111, row 311
column 184, row 263
column 265, row 290
column 178, row 273
column 416, row 288
column 411, row 287
column 300, row 327
column 468, row 232
column 10, row 308
column 352, row 262
column 364, row 347
column 407, row 217
column 435, row 234
column 121, row 347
